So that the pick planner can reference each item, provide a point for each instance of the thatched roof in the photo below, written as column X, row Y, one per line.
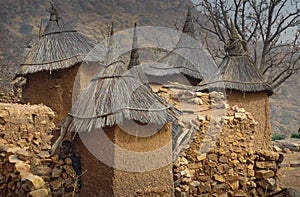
column 114, row 96
column 186, row 58
column 59, row 47
column 237, row 70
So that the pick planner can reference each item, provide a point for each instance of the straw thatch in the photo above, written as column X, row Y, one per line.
column 186, row 58
column 59, row 47
column 237, row 70
column 116, row 95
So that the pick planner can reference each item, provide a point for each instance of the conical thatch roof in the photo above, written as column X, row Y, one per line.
column 186, row 58
column 237, row 70
column 59, row 47
column 114, row 96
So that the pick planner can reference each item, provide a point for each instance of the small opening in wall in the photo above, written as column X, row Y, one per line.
column 33, row 117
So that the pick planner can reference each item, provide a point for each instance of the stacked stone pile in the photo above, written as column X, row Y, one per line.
column 230, row 168
column 13, row 96
column 198, row 110
column 26, row 126
column 221, row 159
column 27, row 169
column 217, row 150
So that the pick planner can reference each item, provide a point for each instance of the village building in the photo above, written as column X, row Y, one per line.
column 183, row 64
column 244, row 86
column 51, row 66
column 116, row 118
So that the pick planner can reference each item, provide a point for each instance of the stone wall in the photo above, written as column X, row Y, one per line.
column 9, row 97
column 225, row 157
column 26, row 166
column 232, row 167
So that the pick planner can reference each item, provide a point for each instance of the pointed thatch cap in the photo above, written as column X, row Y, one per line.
column 59, row 47
column 115, row 96
column 183, row 58
column 237, row 70
column 134, row 56
column 109, row 53
column 134, row 62
column 188, row 27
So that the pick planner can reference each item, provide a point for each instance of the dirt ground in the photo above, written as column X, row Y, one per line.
column 290, row 176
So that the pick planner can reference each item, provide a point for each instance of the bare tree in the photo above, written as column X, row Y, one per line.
column 269, row 30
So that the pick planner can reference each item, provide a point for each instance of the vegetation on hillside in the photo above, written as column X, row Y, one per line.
column 276, row 136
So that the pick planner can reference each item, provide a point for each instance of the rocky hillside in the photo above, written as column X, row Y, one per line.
column 20, row 20
column 285, row 108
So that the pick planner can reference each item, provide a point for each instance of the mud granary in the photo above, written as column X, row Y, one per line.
column 244, row 86
column 117, row 107
column 51, row 65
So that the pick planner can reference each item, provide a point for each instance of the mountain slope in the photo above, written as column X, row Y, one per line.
column 20, row 20
column 285, row 107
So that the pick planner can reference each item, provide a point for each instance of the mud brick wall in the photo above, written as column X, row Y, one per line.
column 53, row 90
column 257, row 103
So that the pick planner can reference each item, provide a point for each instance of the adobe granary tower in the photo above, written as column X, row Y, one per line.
column 244, row 86
column 115, row 115
column 51, row 65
